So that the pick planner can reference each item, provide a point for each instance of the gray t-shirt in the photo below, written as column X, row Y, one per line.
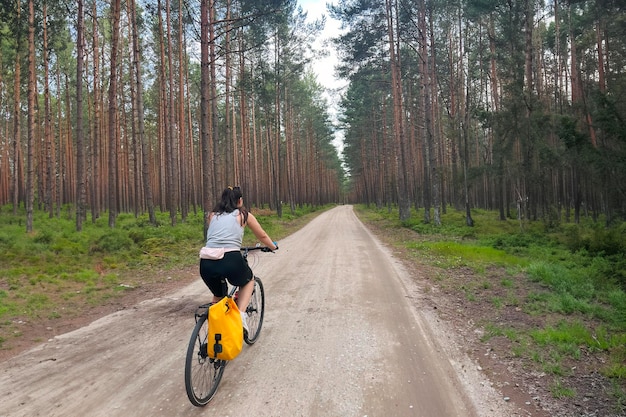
column 225, row 231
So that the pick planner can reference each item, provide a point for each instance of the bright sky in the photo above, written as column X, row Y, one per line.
column 324, row 68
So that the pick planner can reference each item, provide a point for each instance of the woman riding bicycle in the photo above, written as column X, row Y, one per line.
column 221, row 259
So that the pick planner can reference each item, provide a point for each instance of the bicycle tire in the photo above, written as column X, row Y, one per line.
column 202, row 373
column 255, row 313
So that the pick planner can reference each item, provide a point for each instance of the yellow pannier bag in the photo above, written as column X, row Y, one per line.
column 225, row 339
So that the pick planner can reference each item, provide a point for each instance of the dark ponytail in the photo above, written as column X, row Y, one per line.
column 228, row 203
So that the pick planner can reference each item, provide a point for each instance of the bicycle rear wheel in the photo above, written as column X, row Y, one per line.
column 202, row 373
column 255, row 312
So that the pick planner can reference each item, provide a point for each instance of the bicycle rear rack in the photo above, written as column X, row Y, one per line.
column 201, row 311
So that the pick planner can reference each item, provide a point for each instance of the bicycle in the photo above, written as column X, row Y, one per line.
column 203, row 373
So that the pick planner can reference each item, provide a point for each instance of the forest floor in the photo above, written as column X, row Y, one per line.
column 519, row 378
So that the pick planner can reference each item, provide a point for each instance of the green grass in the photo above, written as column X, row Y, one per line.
column 493, row 330
column 560, row 391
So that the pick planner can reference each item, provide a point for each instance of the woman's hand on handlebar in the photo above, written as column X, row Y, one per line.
column 268, row 249
column 259, row 247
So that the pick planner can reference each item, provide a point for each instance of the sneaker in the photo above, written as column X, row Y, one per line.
column 244, row 323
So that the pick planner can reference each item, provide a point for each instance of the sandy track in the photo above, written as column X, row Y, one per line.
column 344, row 335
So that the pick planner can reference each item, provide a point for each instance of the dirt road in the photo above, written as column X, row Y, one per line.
column 344, row 335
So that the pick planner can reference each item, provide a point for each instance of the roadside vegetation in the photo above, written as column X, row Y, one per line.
column 58, row 273
column 568, row 280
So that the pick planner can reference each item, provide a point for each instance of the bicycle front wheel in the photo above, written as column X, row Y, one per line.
column 254, row 313
column 202, row 373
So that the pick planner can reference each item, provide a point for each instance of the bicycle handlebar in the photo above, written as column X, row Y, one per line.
column 261, row 248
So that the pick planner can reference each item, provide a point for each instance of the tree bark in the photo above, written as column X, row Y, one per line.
column 17, row 132
column 50, row 181
column 404, row 203
column 214, row 117
column 145, row 155
column 32, row 88
column 97, row 125
column 170, row 135
column 204, row 110
column 113, row 133
column 183, row 156
column 80, row 149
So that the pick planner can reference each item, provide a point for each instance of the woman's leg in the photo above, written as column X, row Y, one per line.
column 245, row 293
column 210, row 272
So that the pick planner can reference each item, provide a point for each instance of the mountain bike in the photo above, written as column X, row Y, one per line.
column 203, row 373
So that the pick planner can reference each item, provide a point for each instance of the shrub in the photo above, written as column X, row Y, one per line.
column 607, row 241
column 112, row 241
column 44, row 237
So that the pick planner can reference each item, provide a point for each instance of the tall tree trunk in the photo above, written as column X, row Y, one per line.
column 32, row 88
column 465, row 135
column 601, row 75
column 274, row 136
column 137, row 200
column 495, row 100
column 246, row 173
column 529, row 16
column 527, row 141
column 165, row 144
column 429, row 110
column 80, row 150
column 182, row 144
column 17, row 133
column 231, row 167
column 68, row 143
column 145, row 155
column 578, row 95
column 214, row 117
column 404, row 203
column 48, row 139
column 61, row 150
column 96, row 186
column 170, row 144
column 256, row 158
column 192, row 169
column 289, row 152
column 113, row 133
column 431, row 185
column 205, row 144
column 468, row 213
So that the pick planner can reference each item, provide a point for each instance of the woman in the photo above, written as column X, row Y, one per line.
column 221, row 259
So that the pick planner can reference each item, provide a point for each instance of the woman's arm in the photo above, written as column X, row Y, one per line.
column 258, row 231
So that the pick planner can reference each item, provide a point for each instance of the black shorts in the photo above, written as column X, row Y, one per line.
column 232, row 267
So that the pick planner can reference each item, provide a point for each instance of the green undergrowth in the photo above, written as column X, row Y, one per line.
column 574, row 276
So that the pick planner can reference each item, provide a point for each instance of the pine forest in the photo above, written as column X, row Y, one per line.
column 132, row 106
